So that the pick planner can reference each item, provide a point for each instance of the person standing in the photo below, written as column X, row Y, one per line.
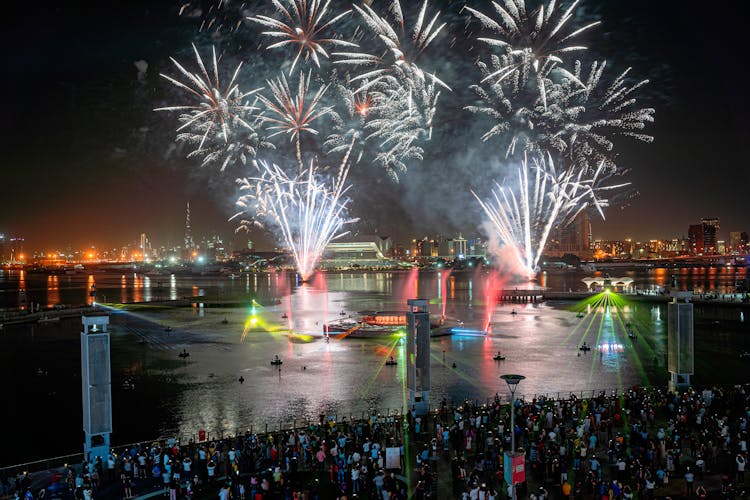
column 740, row 460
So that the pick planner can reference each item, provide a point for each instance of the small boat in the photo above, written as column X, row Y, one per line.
column 579, row 315
column 276, row 361
column 284, row 316
column 184, row 354
column 168, row 329
column 498, row 357
column 224, row 321
column 514, row 312
column 585, row 347
column 390, row 362
column 342, row 313
column 128, row 385
column 632, row 335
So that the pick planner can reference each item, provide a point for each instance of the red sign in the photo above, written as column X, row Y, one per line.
column 515, row 467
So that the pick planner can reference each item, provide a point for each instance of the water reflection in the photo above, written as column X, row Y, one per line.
column 53, row 291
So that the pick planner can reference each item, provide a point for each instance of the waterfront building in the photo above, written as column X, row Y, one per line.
column 695, row 239
column 355, row 254
column 710, row 227
column 574, row 238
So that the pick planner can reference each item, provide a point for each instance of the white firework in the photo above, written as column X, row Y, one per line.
column 216, row 111
column 402, row 120
column 576, row 119
column 293, row 113
column 308, row 210
column 401, row 50
column 303, row 24
column 532, row 44
column 522, row 214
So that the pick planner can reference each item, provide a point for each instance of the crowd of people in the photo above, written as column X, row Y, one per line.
column 610, row 446
column 641, row 442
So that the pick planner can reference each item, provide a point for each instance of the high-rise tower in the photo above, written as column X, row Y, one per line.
column 189, row 245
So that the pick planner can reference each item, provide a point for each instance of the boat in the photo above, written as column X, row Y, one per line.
column 184, row 354
column 168, row 329
column 579, row 315
column 373, row 324
column 276, row 361
column 632, row 335
column 498, row 357
column 514, row 312
column 390, row 362
column 284, row 316
column 47, row 319
column 585, row 347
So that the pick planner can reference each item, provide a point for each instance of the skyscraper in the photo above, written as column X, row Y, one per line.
column 710, row 230
column 189, row 243
column 695, row 239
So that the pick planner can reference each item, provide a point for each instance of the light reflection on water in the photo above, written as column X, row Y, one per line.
column 348, row 376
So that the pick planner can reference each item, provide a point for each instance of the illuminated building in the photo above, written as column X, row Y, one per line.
column 695, row 239
column 710, row 227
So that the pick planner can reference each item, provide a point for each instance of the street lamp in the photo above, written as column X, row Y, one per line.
column 512, row 380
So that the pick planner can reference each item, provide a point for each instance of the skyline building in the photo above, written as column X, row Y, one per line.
column 710, row 227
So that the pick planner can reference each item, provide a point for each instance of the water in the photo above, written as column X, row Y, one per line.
column 40, row 364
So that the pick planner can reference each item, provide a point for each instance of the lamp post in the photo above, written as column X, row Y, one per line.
column 512, row 380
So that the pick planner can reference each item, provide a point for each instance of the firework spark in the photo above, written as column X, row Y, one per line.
column 307, row 209
column 577, row 122
column 533, row 43
column 293, row 113
column 303, row 24
column 402, row 120
column 401, row 49
column 523, row 215
column 217, row 110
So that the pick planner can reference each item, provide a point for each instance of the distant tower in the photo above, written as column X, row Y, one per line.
column 189, row 245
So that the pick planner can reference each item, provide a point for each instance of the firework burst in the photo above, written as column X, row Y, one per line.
column 302, row 24
column 533, row 44
column 402, row 49
column 293, row 113
column 522, row 215
column 217, row 110
column 309, row 210
column 576, row 119
column 401, row 122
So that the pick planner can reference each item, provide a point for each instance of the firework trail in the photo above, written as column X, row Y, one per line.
column 402, row 49
column 302, row 24
column 222, row 17
column 293, row 113
column 216, row 112
column 544, row 198
column 532, row 44
column 307, row 209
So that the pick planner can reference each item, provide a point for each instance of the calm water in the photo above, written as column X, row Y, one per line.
column 40, row 364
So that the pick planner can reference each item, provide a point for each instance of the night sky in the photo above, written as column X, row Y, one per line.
column 84, row 159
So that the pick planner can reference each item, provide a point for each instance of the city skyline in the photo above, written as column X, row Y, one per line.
column 95, row 166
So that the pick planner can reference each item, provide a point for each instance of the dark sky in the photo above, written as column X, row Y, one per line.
column 83, row 159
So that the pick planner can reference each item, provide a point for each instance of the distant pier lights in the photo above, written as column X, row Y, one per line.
column 96, row 386
column 680, row 342
column 418, row 355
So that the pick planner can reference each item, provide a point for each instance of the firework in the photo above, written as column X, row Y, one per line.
column 544, row 197
column 576, row 118
column 533, row 44
column 349, row 127
column 307, row 209
column 401, row 49
column 293, row 113
column 302, row 24
column 402, row 120
column 216, row 111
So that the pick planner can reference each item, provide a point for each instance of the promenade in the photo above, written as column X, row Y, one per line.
column 641, row 443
